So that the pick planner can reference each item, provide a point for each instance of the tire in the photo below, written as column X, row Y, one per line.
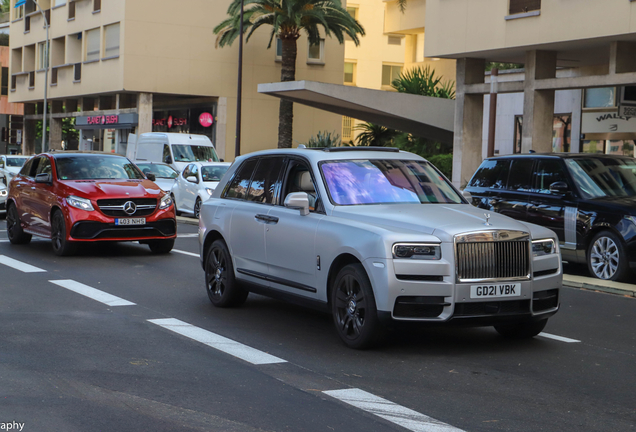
column 606, row 257
column 220, row 283
column 160, row 246
column 61, row 246
column 197, row 208
column 522, row 330
column 174, row 203
column 353, row 308
column 14, row 227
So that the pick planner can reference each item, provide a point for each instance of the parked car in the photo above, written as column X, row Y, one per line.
column 10, row 165
column 373, row 235
column 196, row 184
column 588, row 200
column 79, row 197
column 3, row 197
column 162, row 174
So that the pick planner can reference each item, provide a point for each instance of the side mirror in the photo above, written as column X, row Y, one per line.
column 468, row 196
column 192, row 179
column 151, row 177
column 560, row 188
column 298, row 201
column 43, row 178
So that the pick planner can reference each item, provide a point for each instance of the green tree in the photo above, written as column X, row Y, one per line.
column 325, row 139
column 375, row 135
column 288, row 19
column 423, row 82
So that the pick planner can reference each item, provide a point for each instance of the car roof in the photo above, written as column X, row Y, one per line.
column 338, row 153
column 63, row 154
column 562, row 156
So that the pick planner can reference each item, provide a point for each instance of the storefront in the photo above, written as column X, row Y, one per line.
column 198, row 119
column 107, row 133
column 607, row 132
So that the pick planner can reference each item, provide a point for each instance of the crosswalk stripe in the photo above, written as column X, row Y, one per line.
column 19, row 265
column 218, row 342
column 92, row 293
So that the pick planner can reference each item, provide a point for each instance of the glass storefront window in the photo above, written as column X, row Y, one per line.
column 603, row 97
column 615, row 147
column 561, row 133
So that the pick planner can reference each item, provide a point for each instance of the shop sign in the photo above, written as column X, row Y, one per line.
column 170, row 122
column 607, row 122
column 102, row 120
column 206, row 119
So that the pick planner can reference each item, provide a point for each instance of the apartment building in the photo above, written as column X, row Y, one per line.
column 589, row 50
column 133, row 66
column 11, row 114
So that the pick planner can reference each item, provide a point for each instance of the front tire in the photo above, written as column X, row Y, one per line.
column 523, row 330
column 14, row 227
column 606, row 257
column 61, row 246
column 197, row 208
column 221, row 285
column 353, row 308
column 160, row 246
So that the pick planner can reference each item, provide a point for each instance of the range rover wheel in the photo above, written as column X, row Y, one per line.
column 197, row 208
column 61, row 246
column 160, row 246
column 14, row 229
column 606, row 257
column 353, row 307
column 523, row 330
column 220, row 283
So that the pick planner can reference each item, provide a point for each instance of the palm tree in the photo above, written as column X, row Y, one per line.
column 288, row 18
column 375, row 135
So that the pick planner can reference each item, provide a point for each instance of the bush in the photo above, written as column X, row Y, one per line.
column 444, row 163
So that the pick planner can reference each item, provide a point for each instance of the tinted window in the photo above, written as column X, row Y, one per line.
column 44, row 167
column 548, row 171
column 520, row 175
column 492, row 174
column 241, row 181
column 194, row 171
column 96, row 168
column 213, row 173
column 265, row 180
column 160, row 171
column 194, row 153
column 186, row 171
column 599, row 177
column 26, row 168
column 166, row 154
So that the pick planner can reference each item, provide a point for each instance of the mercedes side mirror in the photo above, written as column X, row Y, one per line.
column 560, row 188
column 298, row 201
column 192, row 179
column 43, row 178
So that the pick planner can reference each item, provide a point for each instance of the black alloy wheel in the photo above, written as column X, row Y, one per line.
column 221, row 285
column 353, row 307
column 197, row 208
column 61, row 246
column 14, row 229
column 522, row 330
column 160, row 246
column 606, row 257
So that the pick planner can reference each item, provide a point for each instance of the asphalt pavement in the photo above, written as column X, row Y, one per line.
column 117, row 338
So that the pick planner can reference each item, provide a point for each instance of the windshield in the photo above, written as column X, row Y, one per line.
column 604, row 177
column 16, row 162
column 213, row 173
column 96, row 168
column 355, row 182
column 194, row 153
column 160, row 171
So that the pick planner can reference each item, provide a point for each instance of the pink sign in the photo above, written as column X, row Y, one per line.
column 206, row 119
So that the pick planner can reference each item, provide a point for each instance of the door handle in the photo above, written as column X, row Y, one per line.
column 266, row 218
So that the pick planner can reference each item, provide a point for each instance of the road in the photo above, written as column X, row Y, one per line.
column 118, row 339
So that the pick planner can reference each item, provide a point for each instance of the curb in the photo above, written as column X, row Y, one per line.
column 580, row 282
column 188, row 221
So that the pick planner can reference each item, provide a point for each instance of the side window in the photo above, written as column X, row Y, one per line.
column 266, row 180
column 299, row 180
column 241, row 182
column 492, row 174
column 186, row 172
column 166, row 154
column 44, row 167
column 34, row 166
column 26, row 169
column 194, row 170
column 520, row 175
column 548, row 171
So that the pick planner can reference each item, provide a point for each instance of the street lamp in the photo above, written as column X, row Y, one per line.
column 19, row 3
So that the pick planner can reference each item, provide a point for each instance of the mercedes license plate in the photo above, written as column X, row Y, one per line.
column 495, row 290
column 131, row 221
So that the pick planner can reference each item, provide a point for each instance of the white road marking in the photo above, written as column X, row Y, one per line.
column 92, row 293
column 189, row 235
column 559, row 338
column 407, row 418
column 18, row 265
column 185, row 253
column 218, row 342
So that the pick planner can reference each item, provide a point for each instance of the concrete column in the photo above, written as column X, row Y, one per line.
column 622, row 57
column 221, row 127
column 144, row 109
column 55, row 134
column 28, row 137
column 538, row 105
column 469, row 116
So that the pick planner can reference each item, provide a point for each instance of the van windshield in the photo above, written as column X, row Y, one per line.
column 194, row 153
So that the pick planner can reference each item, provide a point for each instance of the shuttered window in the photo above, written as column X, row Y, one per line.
column 521, row 6
column 111, row 40
column 92, row 44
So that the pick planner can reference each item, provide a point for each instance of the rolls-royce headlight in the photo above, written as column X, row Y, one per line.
column 80, row 203
column 417, row 251
column 543, row 247
column 166, row 202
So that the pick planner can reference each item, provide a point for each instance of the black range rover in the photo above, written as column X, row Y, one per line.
column 588, row 200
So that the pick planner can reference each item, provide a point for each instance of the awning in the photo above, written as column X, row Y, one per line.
column 423, row 116
column 19, row 3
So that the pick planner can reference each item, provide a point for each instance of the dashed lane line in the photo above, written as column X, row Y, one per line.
column 402, row 416
column 218, row 342
column 19, row 265
column 92, row 293
column 558, row 338
column 185, row 253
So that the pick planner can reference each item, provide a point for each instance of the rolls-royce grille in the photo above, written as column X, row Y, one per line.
column 492, row 260
column 117, row 207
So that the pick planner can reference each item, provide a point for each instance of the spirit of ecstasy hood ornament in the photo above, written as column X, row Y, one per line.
column 487, row 215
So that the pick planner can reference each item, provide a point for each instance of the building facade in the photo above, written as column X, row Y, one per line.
column 119, row 67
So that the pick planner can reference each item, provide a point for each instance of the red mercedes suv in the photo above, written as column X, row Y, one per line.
column 73, row 197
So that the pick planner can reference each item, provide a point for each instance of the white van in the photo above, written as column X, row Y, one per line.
column 174, row 149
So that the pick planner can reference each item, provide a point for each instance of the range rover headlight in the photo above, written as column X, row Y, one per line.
column 80, row 203
column 543, row 247
column 417, row 251
column 166, row 202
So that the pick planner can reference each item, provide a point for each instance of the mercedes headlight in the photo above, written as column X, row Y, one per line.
column 210, row 191
column 166, row 202
column 417, row 251
column 80, row 203
column 543, row 247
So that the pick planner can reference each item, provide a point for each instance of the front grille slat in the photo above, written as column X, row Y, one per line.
column 492, row 260
column 114, row 207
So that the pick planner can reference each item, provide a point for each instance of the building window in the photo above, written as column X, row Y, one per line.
column 279, row 49
column 59, row 3
column 92, row 45
column 390, row 73
column 561, row 133
column 97, row 5
column 316, row 52
column 353, row 11
column 5, row 82
column 394, row 40
column 71, row 10
column 42, row 56
column 350, row 73
column 18, row 12
column 604, row 97
column 523, row 6
column 111, row 40
column 347, row 128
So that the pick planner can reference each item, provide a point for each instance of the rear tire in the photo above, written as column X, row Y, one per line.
column 197, row 208
column 61, row 246
column 523, row 330
column 220, row 283
column 14, row 227
column 160, row 246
